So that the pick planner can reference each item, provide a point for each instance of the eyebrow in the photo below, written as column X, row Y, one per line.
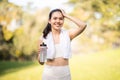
column 57, row 17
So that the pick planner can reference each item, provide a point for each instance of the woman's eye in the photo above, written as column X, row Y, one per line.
column 61, row 18
column 55, row 18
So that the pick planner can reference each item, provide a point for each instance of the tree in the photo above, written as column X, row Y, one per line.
column 20, row 31
column 103, row 16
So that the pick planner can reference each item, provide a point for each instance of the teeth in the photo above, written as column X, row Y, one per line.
column 57, row 25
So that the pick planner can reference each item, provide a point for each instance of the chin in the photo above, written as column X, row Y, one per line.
column 58, row 28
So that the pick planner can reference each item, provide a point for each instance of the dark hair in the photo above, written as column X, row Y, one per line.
column 47, row 29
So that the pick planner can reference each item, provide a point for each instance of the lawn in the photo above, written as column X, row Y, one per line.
column 104, row 65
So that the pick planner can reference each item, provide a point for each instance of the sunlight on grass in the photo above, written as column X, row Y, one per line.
column 28, row 73
column 98, row 66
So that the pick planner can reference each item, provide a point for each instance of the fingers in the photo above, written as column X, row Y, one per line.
column 39, row 48
column 63, row 12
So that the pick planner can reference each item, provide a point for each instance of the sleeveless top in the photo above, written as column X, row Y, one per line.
column 58, row 51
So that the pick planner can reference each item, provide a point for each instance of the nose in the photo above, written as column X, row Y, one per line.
column 57, row 20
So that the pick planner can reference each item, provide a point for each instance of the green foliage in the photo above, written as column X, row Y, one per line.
column 26, row 38
column 102, row 16
column 7, row 34
column 8, row 12
column 23, row 41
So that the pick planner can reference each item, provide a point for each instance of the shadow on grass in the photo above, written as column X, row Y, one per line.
column 12, row 66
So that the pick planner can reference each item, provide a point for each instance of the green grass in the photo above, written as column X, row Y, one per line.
column 98, row 66
column 7, row 66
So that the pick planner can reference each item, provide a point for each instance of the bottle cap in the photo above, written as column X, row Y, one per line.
column 43, row 44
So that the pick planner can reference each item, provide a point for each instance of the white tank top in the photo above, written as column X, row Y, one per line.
column 58, row 51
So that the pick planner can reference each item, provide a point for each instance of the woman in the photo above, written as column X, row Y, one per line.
column 58, row 45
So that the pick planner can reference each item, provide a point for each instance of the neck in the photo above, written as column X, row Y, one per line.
column 56, row 31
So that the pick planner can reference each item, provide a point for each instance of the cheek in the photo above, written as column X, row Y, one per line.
column 51, row 22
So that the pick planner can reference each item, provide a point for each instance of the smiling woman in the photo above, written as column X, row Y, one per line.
column 58, row 43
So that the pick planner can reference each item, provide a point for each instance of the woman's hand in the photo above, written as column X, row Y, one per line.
column 63, row 12
column 76, row 31
column 39, row 49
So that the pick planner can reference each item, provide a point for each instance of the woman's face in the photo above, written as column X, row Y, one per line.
column 56, row 20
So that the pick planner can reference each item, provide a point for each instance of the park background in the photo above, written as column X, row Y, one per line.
column 95, row 52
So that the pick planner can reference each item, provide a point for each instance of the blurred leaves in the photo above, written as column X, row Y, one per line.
column 102, row 15
column 20, row 29
column 7, row 34
column 103, row 19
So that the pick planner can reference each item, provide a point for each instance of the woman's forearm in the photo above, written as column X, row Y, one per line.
column 78, row 22
column 76, row 31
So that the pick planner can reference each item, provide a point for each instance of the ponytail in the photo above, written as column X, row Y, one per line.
column 46, row 30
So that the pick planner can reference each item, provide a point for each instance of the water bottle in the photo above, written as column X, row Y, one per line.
column 43, row 53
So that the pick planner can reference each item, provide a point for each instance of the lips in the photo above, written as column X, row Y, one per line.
column 58, row 25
